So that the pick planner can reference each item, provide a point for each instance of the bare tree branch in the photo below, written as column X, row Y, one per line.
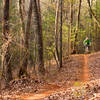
column 93, row 14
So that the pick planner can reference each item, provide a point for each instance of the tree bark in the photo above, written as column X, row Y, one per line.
column 22, row 17
column 70, row 30
column 27, row 32
column 79, row 13
column 38, row 31
column 23, row 69
column 71, row 12
column 56, row 31
column 6, row 67
column 61, row 23
column 77, row 27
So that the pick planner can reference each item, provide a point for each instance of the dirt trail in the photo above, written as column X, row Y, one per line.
column 85, row 71
column 78, row 70
column 84, row 77
column 41, row 95
column 38, row 96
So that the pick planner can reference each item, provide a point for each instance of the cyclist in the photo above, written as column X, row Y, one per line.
column 87, row 44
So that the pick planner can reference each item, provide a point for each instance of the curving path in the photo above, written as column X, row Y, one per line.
column 84, row 77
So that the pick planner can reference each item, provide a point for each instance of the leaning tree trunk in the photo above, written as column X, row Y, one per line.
column 61, row 23
column 6, row 56
column 38, row 31
column 23, row 69
column 93, row 14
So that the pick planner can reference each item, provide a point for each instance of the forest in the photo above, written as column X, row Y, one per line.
column 49, row 49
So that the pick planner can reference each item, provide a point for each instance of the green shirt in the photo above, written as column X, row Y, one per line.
column 87, row 42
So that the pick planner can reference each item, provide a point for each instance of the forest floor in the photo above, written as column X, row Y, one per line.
column 78, row 79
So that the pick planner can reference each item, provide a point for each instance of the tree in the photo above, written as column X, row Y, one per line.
column 77, row 26
column 70, row 30
column 22, row 17
column 56, row 31
column 23, row 69
column 79, row 11
column 6, row 56
column 38, row 31
column 93, row 14
column 61, row 23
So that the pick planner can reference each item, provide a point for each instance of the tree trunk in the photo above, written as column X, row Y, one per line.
column 6, row 56
column 22, row 18
column 23, row 69
column 70, row 31
column 90, row 30
column 60, row 56
column 38, row 31
column 71, row 12
column 56, row 31
column 77, row 27
column 79, row 13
